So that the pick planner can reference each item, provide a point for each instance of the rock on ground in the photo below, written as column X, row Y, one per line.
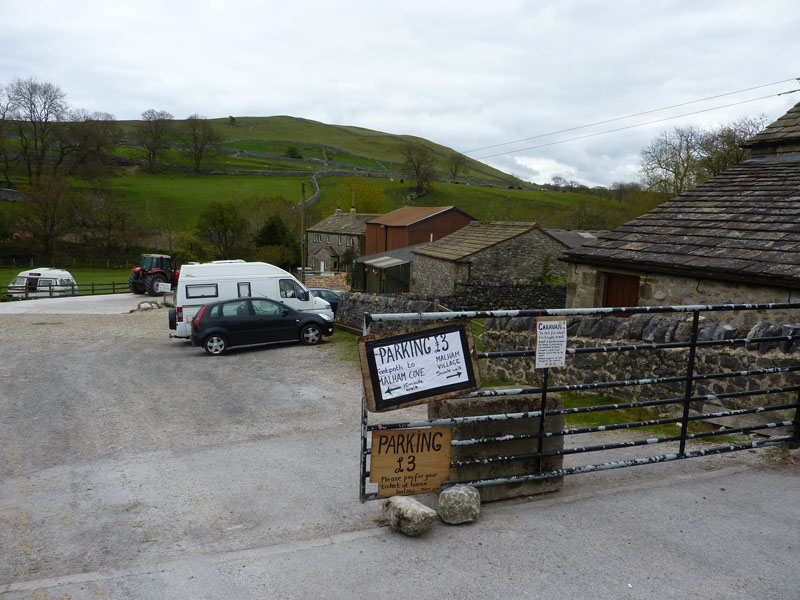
column 408, row 515
column 459, row 504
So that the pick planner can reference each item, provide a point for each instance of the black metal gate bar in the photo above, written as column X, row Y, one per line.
column 621, row 463
column 689, row 379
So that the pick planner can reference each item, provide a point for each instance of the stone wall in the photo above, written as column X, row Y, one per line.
column 585, row 285
column 353, row 305
column 519, row 259
column 520, row 333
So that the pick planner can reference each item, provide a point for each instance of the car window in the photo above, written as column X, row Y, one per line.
column 265, row 307
column 287, row 288
column 214, row 312
column 235, row 309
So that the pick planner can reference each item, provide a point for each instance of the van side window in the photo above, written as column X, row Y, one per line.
column 202, row 290
column 287, row 288
column 244, row 289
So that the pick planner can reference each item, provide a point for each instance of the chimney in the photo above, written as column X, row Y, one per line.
column 353, row 214
column 338, row 211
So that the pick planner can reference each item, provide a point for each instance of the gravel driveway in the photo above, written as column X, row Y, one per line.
column 126, row 453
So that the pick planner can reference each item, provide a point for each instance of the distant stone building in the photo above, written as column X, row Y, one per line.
column 330, row 240
column 495, row 253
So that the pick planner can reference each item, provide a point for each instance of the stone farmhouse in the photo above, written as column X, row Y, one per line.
column 494, row 253
column 328, row 241
column 735, row 238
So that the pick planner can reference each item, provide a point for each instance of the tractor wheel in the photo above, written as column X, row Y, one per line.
column 135, row 285
column 311, row 335
column 152, row 282
column 215, row 344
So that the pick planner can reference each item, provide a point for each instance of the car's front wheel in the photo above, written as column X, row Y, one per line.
column 215, row 344
column 311, row 335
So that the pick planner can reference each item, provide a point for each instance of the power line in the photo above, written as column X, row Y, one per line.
column 581, row 137
column 639, row 114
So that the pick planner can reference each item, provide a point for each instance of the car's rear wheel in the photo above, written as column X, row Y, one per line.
column 215, row 344
column 311, row 335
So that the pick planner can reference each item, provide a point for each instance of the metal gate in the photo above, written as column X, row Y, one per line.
column 784, row 409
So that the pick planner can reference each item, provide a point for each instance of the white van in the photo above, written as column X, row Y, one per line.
column 43, row 283
column 201, row 283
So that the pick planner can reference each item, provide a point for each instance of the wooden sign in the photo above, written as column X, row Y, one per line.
column 551, row 342
column 405, row 462
column 418, row 365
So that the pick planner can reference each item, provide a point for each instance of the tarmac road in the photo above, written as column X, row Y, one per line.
column 134, row 466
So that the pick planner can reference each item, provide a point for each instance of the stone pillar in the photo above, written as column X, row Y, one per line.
column 464, row 407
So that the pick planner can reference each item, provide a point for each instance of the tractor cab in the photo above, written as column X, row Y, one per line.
column 153, row 269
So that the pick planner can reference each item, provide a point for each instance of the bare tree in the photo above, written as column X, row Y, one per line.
column 35, row 107
column 224, row 225
column 6, row 158
column 48, row 211
column 456, row 163
column 671, row 164
column 684, row 157
column 200, row 139
column 85, row 141
column 419, row 164
column 153, row 132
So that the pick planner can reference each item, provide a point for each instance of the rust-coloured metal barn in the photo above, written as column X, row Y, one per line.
column 412, row 225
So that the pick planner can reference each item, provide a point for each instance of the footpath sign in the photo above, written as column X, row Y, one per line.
column 418, row 365
column 410, row 461
column 551, row 342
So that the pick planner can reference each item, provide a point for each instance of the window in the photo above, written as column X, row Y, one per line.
column 287, row 288
column 313, row 262
column 317, row 237
column 235, row 309
column 244, row 289
column 621, row 290
column 202, row 290
column 340, row 240
column 349, row 241
column 265, row 307
column 328, row 239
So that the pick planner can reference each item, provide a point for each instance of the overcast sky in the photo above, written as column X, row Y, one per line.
column 466, row 74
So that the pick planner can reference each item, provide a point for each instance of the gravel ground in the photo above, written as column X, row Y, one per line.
column 123, row 448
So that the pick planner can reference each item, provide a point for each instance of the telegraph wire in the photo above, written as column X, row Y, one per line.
column 639, row 114
column 588, row 135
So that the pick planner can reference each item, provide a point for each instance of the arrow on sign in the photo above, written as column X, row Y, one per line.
column 392, row 389
column 456, row 374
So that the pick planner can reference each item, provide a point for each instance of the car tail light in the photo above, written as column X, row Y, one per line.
column 198, row 316
column 180, row 314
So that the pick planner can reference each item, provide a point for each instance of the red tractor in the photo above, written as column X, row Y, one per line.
column 155, row 269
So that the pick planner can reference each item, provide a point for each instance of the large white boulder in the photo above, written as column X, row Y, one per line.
column 408, row 515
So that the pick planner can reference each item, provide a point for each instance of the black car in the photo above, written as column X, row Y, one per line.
column 326, row 294
column 220, row 325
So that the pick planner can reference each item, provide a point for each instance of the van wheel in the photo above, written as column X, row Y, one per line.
column 311, row 335
column 215, row 344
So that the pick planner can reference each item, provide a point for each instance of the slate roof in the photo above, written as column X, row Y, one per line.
column 571, row 238
column 340, row 222
column 743, row 225
column 785, row 129
column 409, row 215
column 473, row 238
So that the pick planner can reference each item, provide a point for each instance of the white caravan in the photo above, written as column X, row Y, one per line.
column 43, row 283
column 202, row 283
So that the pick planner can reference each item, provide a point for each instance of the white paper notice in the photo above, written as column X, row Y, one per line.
column 551, row 342
column 420, row 364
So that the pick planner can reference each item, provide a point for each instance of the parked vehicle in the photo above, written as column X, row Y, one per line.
column 326, row 294
column 244, row 321
column 201, row 283
column 154, row 269
column 43, row 283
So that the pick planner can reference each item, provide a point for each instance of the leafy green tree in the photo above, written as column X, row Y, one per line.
column 277, row 241
column 224, row 226
column 366, row 195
